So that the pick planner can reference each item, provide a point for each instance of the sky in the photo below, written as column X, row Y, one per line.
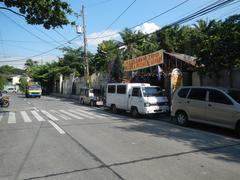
column 19, row 40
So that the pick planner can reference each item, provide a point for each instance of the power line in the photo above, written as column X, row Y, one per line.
column 23, row 41
column 40, row 54
column 23, row 28
column 115, row 20
column 168, row 10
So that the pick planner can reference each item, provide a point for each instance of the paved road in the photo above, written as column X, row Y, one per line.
column 52, row 138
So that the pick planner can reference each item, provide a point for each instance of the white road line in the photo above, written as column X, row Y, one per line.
column 81, row 114
column 37, row 116
column 28, row 102
column 70, row 114
column 49, row 115
column 11, row 118
column 1, row 116
column 25, row 116
column 36, row 109
column 60, row 130
column 92, row 114
column 60, row 115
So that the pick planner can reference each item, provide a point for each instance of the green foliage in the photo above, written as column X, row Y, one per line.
column 23, row 84
column 2, row 82
column 49, row 13
column 9, row 70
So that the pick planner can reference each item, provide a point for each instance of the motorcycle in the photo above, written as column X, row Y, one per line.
column 4, row 102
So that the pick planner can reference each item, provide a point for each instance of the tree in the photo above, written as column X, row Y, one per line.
column 10, row 70
column 23, row 84
column 49, row 13
column 2, row 82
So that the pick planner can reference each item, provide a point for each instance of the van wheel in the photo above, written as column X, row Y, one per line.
column 91, row 103
column 113, row 108
column 182, row 118
column 134, row 112
column 238, row 129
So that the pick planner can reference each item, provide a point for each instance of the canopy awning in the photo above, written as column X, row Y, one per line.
column 183, row 57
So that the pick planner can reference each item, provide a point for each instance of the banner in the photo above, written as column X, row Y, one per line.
column 141, row 62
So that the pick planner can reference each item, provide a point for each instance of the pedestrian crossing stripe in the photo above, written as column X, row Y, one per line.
column 60, row 115
column 25, row 116
column 81, row 114
column 11, row 118
column 54, row 115
column 49, row 115
column 37, row 116
column 70, row 114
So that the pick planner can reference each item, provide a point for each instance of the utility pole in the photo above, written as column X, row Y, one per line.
column 86, row 67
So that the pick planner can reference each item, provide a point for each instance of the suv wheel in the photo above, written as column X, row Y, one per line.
column 181, row 118
column 113, row 108
column 134, row 112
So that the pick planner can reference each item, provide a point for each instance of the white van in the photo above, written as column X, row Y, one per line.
column 138, row 98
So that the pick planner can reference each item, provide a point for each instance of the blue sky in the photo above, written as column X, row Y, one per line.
column 21, row 42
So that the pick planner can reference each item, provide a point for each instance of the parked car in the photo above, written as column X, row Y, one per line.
column 209, row 105
column 138, row 98
column 93, row 97
column 9, row 90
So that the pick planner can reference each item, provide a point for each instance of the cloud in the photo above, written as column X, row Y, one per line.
column 97, row 37
column 147, row 28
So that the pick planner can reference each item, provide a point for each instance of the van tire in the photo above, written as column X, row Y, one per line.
column 237, row 129
column 113, row 108
column 181, row 118
column 134, row 112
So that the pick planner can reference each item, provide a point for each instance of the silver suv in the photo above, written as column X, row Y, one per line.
column 210, row 105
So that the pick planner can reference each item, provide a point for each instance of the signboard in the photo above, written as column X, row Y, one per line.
column 141, row 62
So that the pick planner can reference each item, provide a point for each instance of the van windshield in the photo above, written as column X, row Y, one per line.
column 152, row 91
column 34, row 87
column 235, row 94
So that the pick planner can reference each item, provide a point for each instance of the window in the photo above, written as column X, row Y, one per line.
column 136, row 92
column 197, row 94
column 235, row 94
column 183, row 92
column 111, row 89
column 121, row 89
column 218, row 97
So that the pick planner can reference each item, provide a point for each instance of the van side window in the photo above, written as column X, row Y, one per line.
column 111, row 89
column 198, row 94
column 136, row 92
column 121, row 89
column 183, row 92
column 218, row 97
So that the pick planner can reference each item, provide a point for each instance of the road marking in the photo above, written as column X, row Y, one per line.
column 49, row 115
column 61, row 115
column 36, row 109
column 25, row 116
column 70, row 114
column 28, row 102
column 1, row 116
column 11, row 118
column 81, row 114
column 60, row 130
column 92, row 114
column 37, row 116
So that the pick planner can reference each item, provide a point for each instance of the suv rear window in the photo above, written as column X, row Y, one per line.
column 198, row 94
column 218, row 97
column 183, row 92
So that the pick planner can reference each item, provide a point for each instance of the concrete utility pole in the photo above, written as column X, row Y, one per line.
column 86, row 68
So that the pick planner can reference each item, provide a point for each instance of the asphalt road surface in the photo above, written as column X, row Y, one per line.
column 52, row 138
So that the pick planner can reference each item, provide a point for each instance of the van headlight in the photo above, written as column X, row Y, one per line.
column 146, row 104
